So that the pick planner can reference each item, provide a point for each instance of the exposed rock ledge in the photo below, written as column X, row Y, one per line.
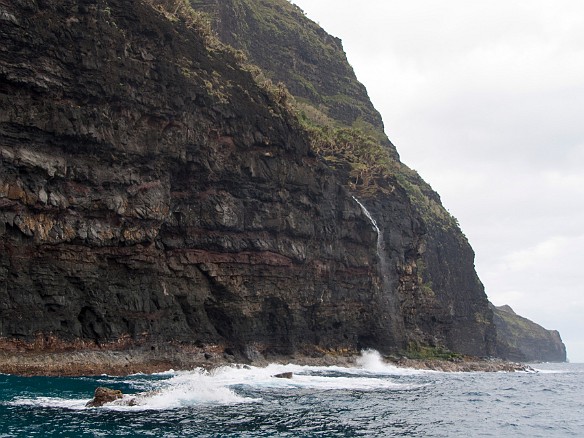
column 467, row 364
column 143, row 360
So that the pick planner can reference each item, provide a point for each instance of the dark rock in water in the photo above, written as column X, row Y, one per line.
column 286, row 375
column 104, row 395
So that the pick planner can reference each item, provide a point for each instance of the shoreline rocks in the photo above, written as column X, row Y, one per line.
column 120, row 363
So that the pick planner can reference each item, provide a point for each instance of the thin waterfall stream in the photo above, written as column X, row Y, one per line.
column 383, row 264
column 373, row 221
column 388, row 300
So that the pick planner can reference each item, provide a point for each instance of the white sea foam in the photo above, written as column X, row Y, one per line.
column 50, row 402
column 548, row 371
column 170, row 372
column 371, row 361
column 220, row 386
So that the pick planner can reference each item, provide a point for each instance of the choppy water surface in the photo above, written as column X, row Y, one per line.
column 371, row 400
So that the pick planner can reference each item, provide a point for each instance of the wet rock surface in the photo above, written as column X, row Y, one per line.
column 104, row 395
column 287, row 375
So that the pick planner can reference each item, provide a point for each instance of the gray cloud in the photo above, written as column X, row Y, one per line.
column 485, row 100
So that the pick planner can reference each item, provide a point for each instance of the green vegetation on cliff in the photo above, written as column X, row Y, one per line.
column 424, row 352
column 371, row 168
column 291, row 49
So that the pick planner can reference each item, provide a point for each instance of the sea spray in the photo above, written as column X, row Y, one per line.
column 187, row 389
column 371, row 360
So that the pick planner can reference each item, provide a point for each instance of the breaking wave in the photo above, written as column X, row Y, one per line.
column 232, row 384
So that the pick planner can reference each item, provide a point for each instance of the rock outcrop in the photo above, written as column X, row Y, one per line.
column 520, row 339
column 103, row 396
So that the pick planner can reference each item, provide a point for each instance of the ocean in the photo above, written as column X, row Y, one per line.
column 372, row 400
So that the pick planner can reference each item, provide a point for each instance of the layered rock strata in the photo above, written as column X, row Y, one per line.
column 158, row 194
column 430, row 264
column 151, row 191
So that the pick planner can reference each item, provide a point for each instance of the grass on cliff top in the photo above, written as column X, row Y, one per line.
column 372, row 169
column 182, row 10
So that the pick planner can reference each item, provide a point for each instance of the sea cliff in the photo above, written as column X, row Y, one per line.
column 162, row 193
column 520, row 339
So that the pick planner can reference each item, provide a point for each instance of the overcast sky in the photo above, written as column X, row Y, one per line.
column 486, row 101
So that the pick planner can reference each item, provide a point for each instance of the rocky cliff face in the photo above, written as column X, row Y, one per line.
column 290, row 48
column 151, row 190
column 155, row 188
column 430, row 265
column 520, row 339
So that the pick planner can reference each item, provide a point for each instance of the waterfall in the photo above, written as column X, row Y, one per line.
column 383, row 262
column 372, row 220
column 388, row 301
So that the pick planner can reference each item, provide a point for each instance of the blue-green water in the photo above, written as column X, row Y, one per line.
column 371, row 400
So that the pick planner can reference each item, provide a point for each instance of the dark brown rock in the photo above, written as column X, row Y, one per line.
column 427, row 263
column 104, row 395
column 287, row 375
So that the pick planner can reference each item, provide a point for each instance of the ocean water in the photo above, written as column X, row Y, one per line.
column 372, row 400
